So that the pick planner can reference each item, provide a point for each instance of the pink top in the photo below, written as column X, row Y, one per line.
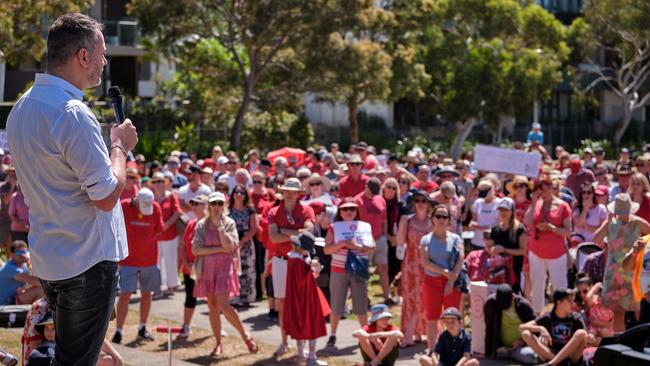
column 17, row 207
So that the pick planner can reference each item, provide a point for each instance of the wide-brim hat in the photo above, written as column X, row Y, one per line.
column 317, row 177
column 355, row 159
column 379, row 311
column 518, row 179
column 419, row 193
column 446, row 169
column 348, row 202
column 291, row 184
column 623, row 205
column 305, row 241
column 47, row 319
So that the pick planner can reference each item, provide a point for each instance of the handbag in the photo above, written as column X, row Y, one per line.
column 357, row 266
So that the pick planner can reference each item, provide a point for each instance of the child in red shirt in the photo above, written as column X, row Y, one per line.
column 379, row 340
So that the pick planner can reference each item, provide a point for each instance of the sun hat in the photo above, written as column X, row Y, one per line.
column 451, row 312
column 305, row 240
column 518, row 179
column 47, row 319
column 145, row 201
column 132, row 172
column 216, row 197
column 317, row 177
column 169, row 175
column 158, row 176
column 379, row 311
column 624, row 169
column 207, row 170
column 355, row 159
column 348, row 202
column 447, row 170
column 623, row 205
column 292, row 184
column 419, row 193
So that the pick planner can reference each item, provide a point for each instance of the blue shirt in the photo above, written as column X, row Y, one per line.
column 443, row 254
column 8, row 284
column 451, row 349
column 62, row 165
column 537, row 136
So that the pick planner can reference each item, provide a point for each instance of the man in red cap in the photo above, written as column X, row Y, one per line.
column 578, row 177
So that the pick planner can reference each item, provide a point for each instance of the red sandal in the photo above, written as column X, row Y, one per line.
column 252, row 346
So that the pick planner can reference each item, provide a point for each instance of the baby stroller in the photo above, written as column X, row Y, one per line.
column 579, row 255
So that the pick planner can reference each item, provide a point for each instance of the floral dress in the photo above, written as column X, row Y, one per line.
column 617, row 283
column 247, row 255
column 411, row 282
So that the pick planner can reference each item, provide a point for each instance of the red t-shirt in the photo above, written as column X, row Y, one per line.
column 372, row 328
column 128, row 193
column 429, row 188
column 546, row 244
column 169, row 206
column 349, row 187
column 188, row 236
column 373, row 211
column 142, row 234
column 278, row 216
column 263, row 200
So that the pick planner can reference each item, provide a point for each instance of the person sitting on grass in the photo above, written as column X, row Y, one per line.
column 454, row 344
column 379, row 340
column 559, row 335
column 17, row 286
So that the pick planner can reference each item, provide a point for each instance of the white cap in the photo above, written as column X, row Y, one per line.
column 145, row 201
column 222, row 160
column 216, row 197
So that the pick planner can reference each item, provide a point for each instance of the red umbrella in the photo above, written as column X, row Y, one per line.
column 293, row 155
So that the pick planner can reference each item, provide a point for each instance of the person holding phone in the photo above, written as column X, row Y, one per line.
column 549, row 221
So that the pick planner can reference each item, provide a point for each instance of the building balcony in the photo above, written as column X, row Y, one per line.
column 121, row 33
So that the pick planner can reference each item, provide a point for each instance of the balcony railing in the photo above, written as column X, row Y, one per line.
column 121, row 32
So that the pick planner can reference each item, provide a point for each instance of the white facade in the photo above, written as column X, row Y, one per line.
column 336, row 114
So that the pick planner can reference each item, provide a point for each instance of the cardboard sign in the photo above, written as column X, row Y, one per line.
column 511, row 161
column 358, row 231
column 479, row 291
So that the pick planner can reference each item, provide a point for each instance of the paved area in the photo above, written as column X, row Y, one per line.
column 265, row 331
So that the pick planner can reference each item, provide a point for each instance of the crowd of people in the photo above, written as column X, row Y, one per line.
column 236, row 231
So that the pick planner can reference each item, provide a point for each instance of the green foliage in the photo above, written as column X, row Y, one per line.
column 272, row 131
column 183, row 139
column 605, row 144
column 24, row 24
column 406, row 144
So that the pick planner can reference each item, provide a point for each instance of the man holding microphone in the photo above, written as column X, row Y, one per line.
column 72, row 183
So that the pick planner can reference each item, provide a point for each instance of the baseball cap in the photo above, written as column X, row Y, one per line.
column 506, row 203
column 173, row 159
column 216, row 197
column 562, row 293
column 317, row 206
column 202, row 199
column 602, row 190
column 145, row 201
column 451, row 312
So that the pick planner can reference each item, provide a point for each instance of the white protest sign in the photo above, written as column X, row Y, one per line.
column 326, row 199
column 383, row 160
column 511, row 161
column 358, row 231
column 3, row 140
column 479, row 291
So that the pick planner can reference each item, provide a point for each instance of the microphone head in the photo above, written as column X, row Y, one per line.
column 114, row 92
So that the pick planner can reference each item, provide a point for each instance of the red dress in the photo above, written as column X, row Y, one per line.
column 411, row 282
column 305, row 305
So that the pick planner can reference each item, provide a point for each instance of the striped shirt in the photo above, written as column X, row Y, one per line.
column 340, row 256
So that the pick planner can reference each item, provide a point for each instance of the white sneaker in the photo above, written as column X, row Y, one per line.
column 185, row 332
column 223, row 333
column 282, row 349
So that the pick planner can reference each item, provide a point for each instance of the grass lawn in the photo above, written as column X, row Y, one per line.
column 10, row 341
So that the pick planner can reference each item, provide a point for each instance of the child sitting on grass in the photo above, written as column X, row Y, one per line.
column 454, row 344
column 379, row 340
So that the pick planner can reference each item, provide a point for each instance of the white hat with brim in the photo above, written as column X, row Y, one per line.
column 317, row 177
column 623, row 205
column 379, row 311
column 292, row 185
column 145, row 201
column 216, row 197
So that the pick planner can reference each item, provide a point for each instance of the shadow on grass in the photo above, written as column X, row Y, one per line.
column 331, row 351
column 259, row 322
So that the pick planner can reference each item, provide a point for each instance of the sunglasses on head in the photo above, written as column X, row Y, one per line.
column 217, row 203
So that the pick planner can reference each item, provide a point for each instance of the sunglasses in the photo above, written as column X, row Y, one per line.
column 520, row 185
column 217, row 203
column 600, row 174
column 391, row 188
column 355, row 164
column 158, row 182
column 419, row 200
column 405, row 182
column 196, row 203
column 258, row 182
column 130, row 177
column 348, row 209
column 315, row 184
column 446, row 176
column 241, row 193
column 441, row 217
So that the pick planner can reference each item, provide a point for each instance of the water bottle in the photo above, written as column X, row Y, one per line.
column 400, row 251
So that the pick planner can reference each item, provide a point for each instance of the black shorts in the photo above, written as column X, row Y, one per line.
column 390, row 359
column 269, row 287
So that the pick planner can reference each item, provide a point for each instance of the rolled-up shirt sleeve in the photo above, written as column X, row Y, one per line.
column 80, row 140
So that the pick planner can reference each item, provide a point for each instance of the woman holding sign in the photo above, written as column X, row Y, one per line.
column 347, row 244
column 442, row 254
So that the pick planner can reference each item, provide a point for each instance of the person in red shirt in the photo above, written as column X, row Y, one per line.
column 144, row 222
column 355, row 182
column 198, row 203
column 287, row 219
column 168, row 240
column 372, row 209
column 369, row 161
column 379, row 340
column 423, row 182
column 132, row 180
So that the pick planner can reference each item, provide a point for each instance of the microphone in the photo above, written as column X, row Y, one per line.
column 116, row 102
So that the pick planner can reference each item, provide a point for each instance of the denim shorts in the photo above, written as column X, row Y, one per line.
column 148, row 277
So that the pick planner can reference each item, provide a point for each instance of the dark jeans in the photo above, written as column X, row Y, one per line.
column 260, row 252
column 82, row 306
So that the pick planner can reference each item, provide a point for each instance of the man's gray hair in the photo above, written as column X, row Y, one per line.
column 68, row 34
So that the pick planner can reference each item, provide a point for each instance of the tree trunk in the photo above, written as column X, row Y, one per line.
column 622, row 126
column 354, row 127
column 235, row 134
column 463, row 129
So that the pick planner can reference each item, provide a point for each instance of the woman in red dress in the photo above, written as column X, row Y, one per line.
column 411, row 230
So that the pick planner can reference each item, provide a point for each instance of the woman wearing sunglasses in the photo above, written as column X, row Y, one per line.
column 588, row 214
column 598, row 318
column 549, row 221
column 411, row 230
column 241, row 210
column 442, row 255
column 214, row 245
column 340, row 279
column 318, row 187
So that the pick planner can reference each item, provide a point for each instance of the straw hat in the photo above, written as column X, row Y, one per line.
column 317, row 177
column 518, row 179
column 623, row 205
column 292, row 184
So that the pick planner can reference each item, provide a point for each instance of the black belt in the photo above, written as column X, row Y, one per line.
column 282, row 257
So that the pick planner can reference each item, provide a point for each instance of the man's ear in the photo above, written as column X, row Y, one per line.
column 82, row 56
